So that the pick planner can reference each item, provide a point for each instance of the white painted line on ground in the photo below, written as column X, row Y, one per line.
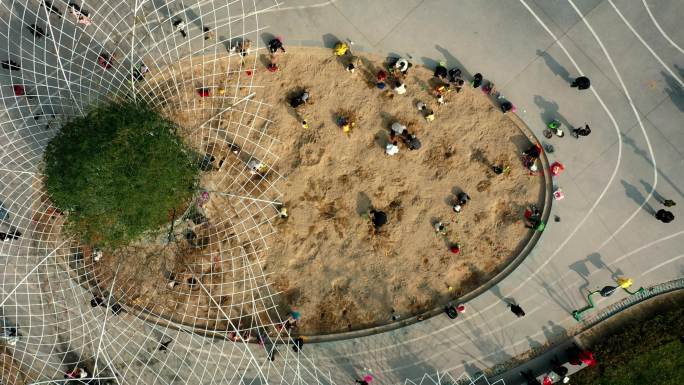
column 648, row 47
column 636, row 114
column 658, row 266
column 505, row 314
column 298, row 7
column 615, row 169
column 660, row 29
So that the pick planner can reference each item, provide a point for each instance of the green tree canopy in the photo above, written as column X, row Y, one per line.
column 119, row 171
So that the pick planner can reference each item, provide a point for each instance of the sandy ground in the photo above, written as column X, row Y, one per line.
column 326, row 259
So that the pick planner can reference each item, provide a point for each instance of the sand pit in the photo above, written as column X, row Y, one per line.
column 325, row 258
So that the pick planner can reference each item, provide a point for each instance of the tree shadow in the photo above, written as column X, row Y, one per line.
column 550, row 111
column 487, row 343
column 558, row 297
column 559, row 292
column 632, row 192
column 554, row 66
column 674, row 90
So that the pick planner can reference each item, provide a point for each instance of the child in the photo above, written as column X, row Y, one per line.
column 276, row 44
column 441, row 71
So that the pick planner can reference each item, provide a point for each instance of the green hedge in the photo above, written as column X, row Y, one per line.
column 643, row 352
column 118, row 172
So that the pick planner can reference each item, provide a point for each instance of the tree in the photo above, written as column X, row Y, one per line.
column 118, row 172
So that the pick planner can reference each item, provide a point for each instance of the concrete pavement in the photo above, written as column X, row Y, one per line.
column 531, row 50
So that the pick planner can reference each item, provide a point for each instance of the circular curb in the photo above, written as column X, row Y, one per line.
column 533, row 237
column 510, row 267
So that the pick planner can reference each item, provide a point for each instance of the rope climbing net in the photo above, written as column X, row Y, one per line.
column 65, row 316
column 198, row 308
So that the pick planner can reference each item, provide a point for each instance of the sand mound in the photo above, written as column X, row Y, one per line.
column 325, row 258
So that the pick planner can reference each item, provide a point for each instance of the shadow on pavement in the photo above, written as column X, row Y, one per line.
column 560, row 292
column 329, row 40
column 497, row 292
column 534, row 344
column 674, row 90
column 645, row 155
column 550, row 111
column 633, row 193
column 555, row 67
column 452, row 62
column 490, row 345
column 656, row 195
column 554, row 332
column 415, row 370
column 582, row 269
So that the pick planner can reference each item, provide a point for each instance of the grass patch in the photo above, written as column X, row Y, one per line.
column 643, row 352
column 663, row 365
column 118, row 172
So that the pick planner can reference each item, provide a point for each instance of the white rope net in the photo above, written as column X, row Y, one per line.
column 222, row 330
column 65, row 318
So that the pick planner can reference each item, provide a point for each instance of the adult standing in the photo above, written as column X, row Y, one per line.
column 581, row 83
column 664, row 216
column 577, row 132
column 516, row 309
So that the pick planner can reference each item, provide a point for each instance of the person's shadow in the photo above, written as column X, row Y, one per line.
column 581, row 268
column 534, row 345
column 632, row 192
column 595, row 259
column 656, row 195
column 555, row 67
column 674, row 90
column 553, row 332
column 363, row 203
column 550, row 111
column 452, row 61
